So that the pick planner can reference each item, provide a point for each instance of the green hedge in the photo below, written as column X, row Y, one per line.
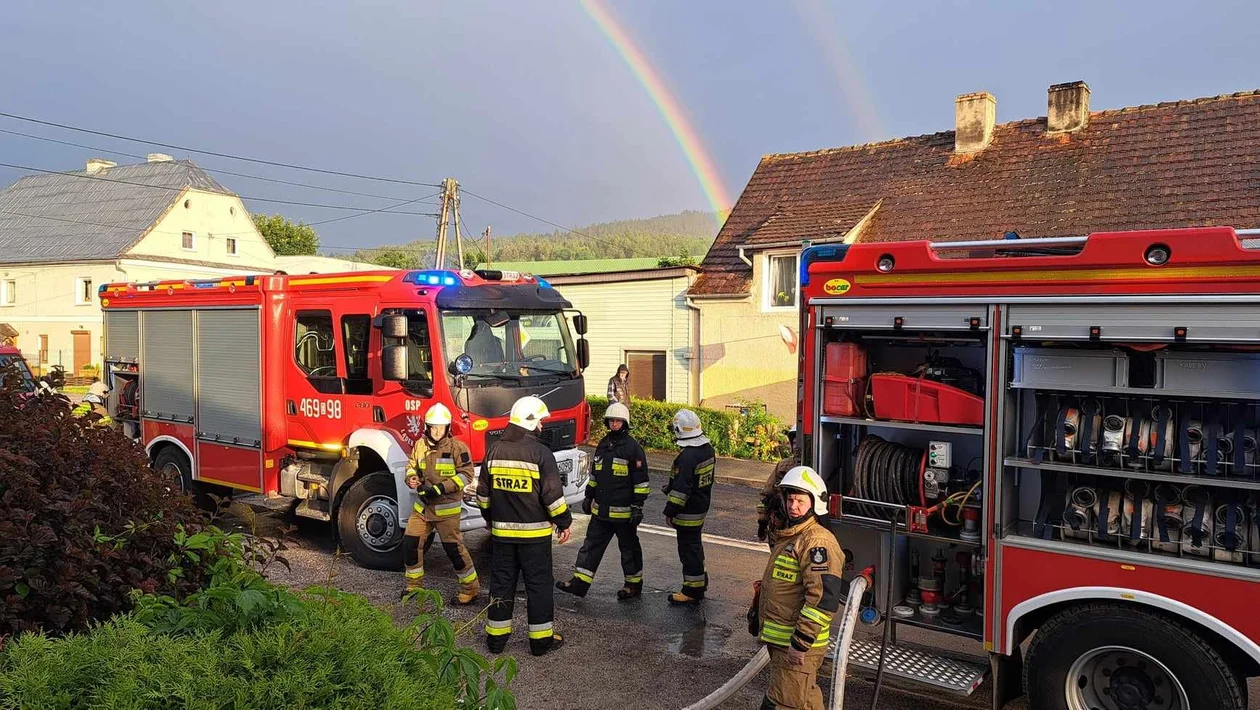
column 755, row 435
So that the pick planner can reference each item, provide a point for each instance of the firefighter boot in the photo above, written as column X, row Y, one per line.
column 543, row 646
column 576, row 586
column 633, row 588
column 468, row 591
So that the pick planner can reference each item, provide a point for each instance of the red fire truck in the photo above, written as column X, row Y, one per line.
column 1048, row 448
column 315, row 387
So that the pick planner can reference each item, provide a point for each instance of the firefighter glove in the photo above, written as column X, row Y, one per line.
column 433, row 492
column 754, row 620
column 761, row 529
column 586, row 505
column 636, row 514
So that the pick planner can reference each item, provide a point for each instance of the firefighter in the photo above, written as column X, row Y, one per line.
column 799, row 594
column 614, row 499
column 769, row 508
column 522, row 501
column 439, row 468
column 688, row 493
column 94, row 403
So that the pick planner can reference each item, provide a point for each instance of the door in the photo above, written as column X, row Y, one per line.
column 82, row 350
column 647, row 375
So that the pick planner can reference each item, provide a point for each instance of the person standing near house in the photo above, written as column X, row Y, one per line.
column 799, row 594
column 615, row 495
column 689, row 492
column 769, row 505
column 619, row 386
column 439, row 468
column 522, row 501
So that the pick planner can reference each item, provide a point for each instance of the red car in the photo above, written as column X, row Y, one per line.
column 10, row 355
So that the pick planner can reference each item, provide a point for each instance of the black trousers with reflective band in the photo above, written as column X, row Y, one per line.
column 508, row 563
column 691, row 554
column 598, row 534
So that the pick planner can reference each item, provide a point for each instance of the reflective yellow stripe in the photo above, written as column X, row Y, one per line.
column 500, row 532
column 619, row 515
column 558, row 508
column 459, row 480
column 447, row 509
column 816, row 616
column 591, row 483
column 314, row 445
column 415, row 573
column 584, row 577
column 470, row 576
column 677, row 500
column 498, row 628
column 634, row 578
column 788, row 562
column 418, row 507
column 823, row 638
column 340, row 280
column 642, row 489
column 541, row 631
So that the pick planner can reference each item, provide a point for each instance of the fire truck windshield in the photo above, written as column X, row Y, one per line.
column 510, row 346
column 26, row 382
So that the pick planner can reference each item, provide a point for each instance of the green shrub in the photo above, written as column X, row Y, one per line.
column 753, row 435
column 243, row 642
column 84, row 521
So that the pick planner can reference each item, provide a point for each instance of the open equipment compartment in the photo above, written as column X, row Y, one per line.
column 903, row 442
column 1143, row 443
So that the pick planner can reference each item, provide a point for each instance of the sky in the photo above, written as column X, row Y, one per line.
column 528, row 103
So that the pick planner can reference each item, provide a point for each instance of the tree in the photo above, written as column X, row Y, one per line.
column 473, row 258
column 396, row 259
column 287, row 238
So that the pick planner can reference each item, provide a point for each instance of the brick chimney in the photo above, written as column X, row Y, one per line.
column 1067, row 107
column 160, row 158
column 974, row 116
column 96, row 165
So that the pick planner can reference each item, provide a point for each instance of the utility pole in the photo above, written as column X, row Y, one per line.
column 444, row 215
column 459, row 229
column 489, row 245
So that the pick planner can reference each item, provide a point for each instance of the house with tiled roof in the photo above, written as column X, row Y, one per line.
column 1071, row 172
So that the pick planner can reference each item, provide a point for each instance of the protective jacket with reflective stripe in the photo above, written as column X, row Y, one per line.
column 801, row 588
column 691, row 485
column 446, row 464
column 519, row 490
column 619, row 478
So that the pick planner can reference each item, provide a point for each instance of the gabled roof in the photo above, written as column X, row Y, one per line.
column 1176, row 164
column 74, row 216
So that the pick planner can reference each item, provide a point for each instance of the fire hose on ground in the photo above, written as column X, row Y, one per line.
column 839, row 649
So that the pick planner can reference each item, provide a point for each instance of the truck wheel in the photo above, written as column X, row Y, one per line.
column 1112, row 657
column 173, row 466
column 368, row 523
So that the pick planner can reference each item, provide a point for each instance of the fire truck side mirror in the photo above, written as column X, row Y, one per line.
column 394, row 326
column 579, row 323
column 394, row 363
column 584, row 353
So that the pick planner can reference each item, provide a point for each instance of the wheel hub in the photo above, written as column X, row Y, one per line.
column 1122, row 678
column 377, row 523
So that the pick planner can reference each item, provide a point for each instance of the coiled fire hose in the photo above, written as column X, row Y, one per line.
column 888, row 472
column 840, row 659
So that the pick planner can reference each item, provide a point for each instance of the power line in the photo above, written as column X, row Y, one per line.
column 181, row 189
column 386, row 208
column 217, row 171
column 576, row 232
column 229, row 156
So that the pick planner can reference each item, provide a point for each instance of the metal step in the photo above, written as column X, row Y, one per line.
column 911, row 664
column 314, row 509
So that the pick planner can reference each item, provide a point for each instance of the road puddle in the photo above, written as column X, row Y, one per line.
column 698, row 642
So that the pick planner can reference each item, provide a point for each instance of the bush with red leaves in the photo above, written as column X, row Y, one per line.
column 84, row 520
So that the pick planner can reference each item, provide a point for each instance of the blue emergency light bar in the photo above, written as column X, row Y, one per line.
column 431, row 278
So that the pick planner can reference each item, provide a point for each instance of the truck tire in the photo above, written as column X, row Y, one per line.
column 172, row 465
column 369, row 526
column 1115, row 657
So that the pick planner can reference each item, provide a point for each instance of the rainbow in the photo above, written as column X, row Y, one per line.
column 701, row 163
column 822, row 26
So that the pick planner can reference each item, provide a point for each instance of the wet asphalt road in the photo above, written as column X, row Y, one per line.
column 642, row 654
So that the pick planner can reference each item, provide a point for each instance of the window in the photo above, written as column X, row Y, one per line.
column 315, row 350
column 83, row 291
column 354, row 338
column 8, row 292
column 231, row 246
column 419, row 354
column 187, row 241
column 545, row 346
column 43, row 349
column 780, row 281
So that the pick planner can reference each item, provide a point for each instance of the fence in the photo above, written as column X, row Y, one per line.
column 42, row 362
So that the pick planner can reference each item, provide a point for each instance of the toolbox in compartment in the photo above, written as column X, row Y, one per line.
column 1066, row 367
column 1231, row 374
column 913, row 399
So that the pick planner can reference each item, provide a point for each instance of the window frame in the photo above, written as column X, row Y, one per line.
column 332, row 322
column 767, row 281
column 192, row 241
column 79, row 283
column 359, row 383
column 231, row 246
column 8, row 291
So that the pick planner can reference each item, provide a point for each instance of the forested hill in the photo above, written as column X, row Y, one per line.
column 686, row 233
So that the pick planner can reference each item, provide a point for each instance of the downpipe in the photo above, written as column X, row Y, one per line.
column 840, row 659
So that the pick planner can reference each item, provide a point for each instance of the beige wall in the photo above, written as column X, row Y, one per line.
column 742, row 353
column 636, row 315
column 212, row 219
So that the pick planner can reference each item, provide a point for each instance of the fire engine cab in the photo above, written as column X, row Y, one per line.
column 1048, row 448
column 315, row 387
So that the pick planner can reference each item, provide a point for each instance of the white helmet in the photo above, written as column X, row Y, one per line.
column 807, row 480
column 687, row 429
column 438, row 415
column 528, row 413
column 617, row 410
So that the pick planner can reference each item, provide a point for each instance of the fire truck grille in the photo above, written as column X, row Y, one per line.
column 557, row 436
